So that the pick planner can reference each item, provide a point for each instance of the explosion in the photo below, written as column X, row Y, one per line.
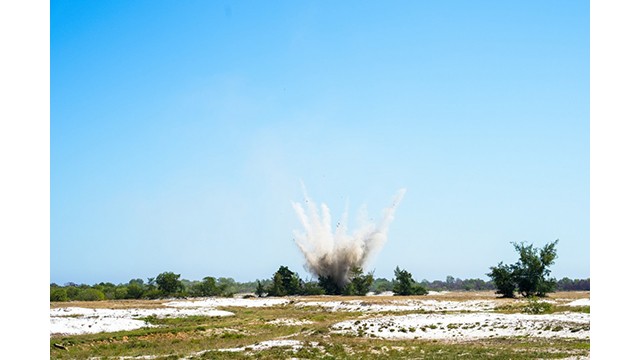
column 332, row 254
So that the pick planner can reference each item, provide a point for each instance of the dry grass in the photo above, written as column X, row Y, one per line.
column 111, row 304
column 449, row 296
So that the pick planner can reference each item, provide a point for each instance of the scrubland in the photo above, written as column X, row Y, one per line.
column 475, row 325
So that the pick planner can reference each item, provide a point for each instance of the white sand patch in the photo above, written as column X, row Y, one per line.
column 469, row 326
column 384, row 293
column 289, row 322
column 436, row 293
column 75, row 326
column 580, row 302
column 403, row 305
column 294, row 344
column 220, row 302
column 528, row 300
column 75, row 320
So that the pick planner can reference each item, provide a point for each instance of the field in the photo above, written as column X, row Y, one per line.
column 473, row 325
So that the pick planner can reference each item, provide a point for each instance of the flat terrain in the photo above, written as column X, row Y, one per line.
column 475, row 325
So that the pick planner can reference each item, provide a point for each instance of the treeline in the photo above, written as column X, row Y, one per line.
column 566, row 284
column 166, row 284
column 286, row 282
column 457, row 284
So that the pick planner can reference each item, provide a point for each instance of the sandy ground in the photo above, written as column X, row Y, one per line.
column 455, row 315
column 469, row 326
column 580, row 302
column 294, row 344
column 403, row 305
column 82, row 320
column 76, row 320
column 228, row 302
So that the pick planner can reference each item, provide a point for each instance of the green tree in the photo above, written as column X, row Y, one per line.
column 285, row 282
column 207, row 287
column 58, row 294
column 277, row 286
column 329, row 285
column 403, row 284
column 168, row 283
column 360, row 283
column 532, row 269
column 529, row 276
column 134, row 291
column 260, row 290
column 227, row 286
column 503, row 279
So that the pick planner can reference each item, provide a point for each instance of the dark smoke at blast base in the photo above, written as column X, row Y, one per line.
column 331, row 254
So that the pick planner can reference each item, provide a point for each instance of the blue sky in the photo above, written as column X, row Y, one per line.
column 180, row 132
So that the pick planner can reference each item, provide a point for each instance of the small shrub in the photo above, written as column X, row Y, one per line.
column 535, row 306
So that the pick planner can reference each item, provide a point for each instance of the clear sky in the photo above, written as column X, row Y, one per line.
column 180, row 132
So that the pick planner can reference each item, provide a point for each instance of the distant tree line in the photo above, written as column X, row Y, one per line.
column 566, row 284
column 284, row 282
column 165, row 285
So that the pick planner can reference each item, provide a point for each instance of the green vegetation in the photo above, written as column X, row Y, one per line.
column 566, row 284
column 505, row 278
column 502, row 276
column 169, row 284
column 535, row 306
column 166, row 284
column 404, row 284
column 530, row 275
column 360, row 283
column 260, row 290
column 285, row 282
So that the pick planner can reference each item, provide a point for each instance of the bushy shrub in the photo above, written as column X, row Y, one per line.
column 312, row 288
column 58, row 294
column 535, row 306
column 208, row 287
column 152, row 293
column 90, row 294
column 134, row 291
column 503, row 279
